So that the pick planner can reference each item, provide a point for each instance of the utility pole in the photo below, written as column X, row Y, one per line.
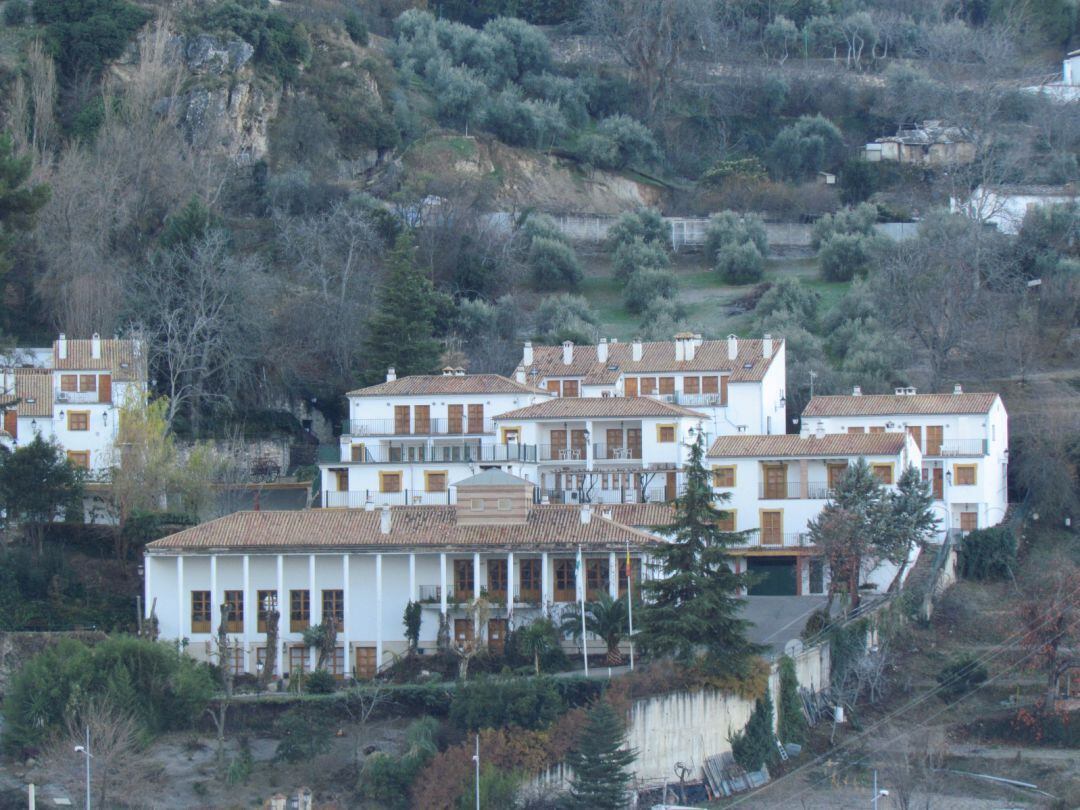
column 85, row 751
column 812, row 375
column 476, row 759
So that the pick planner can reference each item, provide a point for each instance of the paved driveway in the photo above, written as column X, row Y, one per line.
column 778, row 619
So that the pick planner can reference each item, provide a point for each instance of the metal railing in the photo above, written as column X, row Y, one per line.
column 783, row 540
column 691, row 400
column 360, row 498
column 430, row 427
column 960, row 447
column 615, row 452
column 653, row 494
column 792, row 490
column 555, row 452
column 420, row 453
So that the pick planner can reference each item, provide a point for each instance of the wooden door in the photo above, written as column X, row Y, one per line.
column 836, row 473
column 577, row 444
column 934, row 436
column 553, row 386
column 915, row 431
column 670, row 487
column 455, row 418
column 772, row 528
column 11, row 423
column 856, row 430
column 105, row 388
column 939, row 483
column 630, row 386
column 776, row 481
column 422, row 419
column 464, row 583
column 497, row 635
column 570, row 388
column 558, row 443
column 614, row 438
column 357, row 452
column 463, row 632
column 691, row 385
column 366, row 666
column 401, row 419
column 476, row 418
column 496, row 584
column 530, row 581
column 969, row 521
column 298, row 660
column 633, row 442
column 667, row 385
column 565, row 581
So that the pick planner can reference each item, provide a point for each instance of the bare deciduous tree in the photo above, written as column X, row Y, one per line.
column 1050, row 614
column 224, row 651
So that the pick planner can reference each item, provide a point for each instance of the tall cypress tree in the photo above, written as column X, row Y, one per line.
column 912, row 521
column 600, row 763
column 754, row 745
column 401, row 332
column 691, row 611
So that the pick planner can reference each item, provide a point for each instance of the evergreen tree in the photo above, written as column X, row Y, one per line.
column 401, row 331
column 913, row 520
column 37, row 483
column 19, row 204
column 691, row 611
column 600, row 763
column 754, row 746
column 791, row 724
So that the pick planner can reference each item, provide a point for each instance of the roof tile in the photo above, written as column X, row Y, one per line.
column 124, row 358
column 426, row 384
column 600, row 408
column 894, row 404
column 831, row 444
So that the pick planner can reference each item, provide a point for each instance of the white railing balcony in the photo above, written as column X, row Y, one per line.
column 961, row 447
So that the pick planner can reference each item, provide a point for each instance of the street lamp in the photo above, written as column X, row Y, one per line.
column 878, row 794
column 85, row 751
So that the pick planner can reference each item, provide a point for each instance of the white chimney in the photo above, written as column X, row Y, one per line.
column 95, row 346
column 680, row 353
column 459, row 371
column 957, row 390
column 567, row 352
column 61, row 346
column 448, row 371
column 732, row 347
column 635, row 350
column 766, row 346
column 601, row 351
column 369, row 505
column 526, row 356
column 586, row 514
column 691, row 348
column 819, row 430
column 391, row 374
column 519, row 374
column 856, row 391
column 384, row 519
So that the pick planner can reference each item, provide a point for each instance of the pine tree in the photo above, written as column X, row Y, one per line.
column 913, row 520
column 691, row 611
column 600, row 763
column 755, row 746
column 791, row 724
column 401, row 331
column 19, row 204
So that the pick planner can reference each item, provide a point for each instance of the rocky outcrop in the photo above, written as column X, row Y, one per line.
column 206, row 54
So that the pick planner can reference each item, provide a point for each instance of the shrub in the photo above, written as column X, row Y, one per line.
column 631, row 257
column 789, row 295
column 458, row 93
column 619, row 141
column 857, row 220
column 303, row 734
column 564, row 317
column 320, row 682
column 493, row 703
column 83, row 34
column 646, row 287
column 729, row 228
column 791, row 723
column 844, row 256
column 809, row 145
column 754, row 746
column 740, row 264
column 280, row 44
column 565, row 92
column 960, row 676
column 356, row 28
column 552, row 264
column 528, row 44
column 988, row 554
column 519, row 122
column 15, row 12
column 645, row 224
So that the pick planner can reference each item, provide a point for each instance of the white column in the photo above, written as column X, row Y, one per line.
column 346, row 602
column 378, row 612
column 215, row 605
column 283, row 613
column 545, row 583
column 413, row 596
column 510, row 584
column 589, row 445
column 148, row 590
column 249, row 613
column 182, row 600
column 442, row 584
column 476, row 592
column 315, row 606
column 613, row 575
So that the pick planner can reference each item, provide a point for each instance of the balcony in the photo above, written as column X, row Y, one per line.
column 430, row 427
column 792, row 490
column 433, row 454
column 78, row 397
column 957, row 448
column 652, row 494
column 714, row 400
column 783, row 540
column 358, row 499
column 556, row 452
column 616, row 452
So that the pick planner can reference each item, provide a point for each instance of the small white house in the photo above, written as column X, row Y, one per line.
column 963, row 439
column 1005, row 206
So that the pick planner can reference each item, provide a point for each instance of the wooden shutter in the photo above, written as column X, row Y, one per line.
column 939, row 483
column 877, row 430
column 776, row 481
column 710, row 385
column 633, row 442
column 357, row 452
column 476, row 418
column 723, row 390
column 11, row 423
column 553, row 386
column 577, row 443
column 772, row 528
column 401, row 419
column 969, row 521
column 630, row 386
column 455, row 418
column 836, row 472
column 558, row 441
column 105, row 388
column 691, row 385
column 854, row 430
column 614, row 442
column 934, row 437
column 648, row 385
column 915, row 431
column 667, row 385
column 365, row 663
column 422, row 419
column 570, row 388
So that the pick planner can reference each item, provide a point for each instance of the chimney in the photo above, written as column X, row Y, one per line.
column 459, row 371
column 527, row 356
column 601, row 351
column 61, row 347
column 384, row 519
column 586, row 514
column 567, row 352
column 957, row 390
column 766, row 346
column 691, row 348
column 680, row 353
column 819, row 430
column 856, row 391
column 448, row 371
column 519, row 374
column 635, row 350
column 732, row 347
column 391, row 374
column 369, row 505
column 95, row 346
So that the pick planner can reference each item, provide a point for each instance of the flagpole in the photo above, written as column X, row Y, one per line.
column 581, row 601
column 630, row 603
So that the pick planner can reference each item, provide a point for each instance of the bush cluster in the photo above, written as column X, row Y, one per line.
column 548, row 254
column 737, row 246
column 960, row 676
column 638, row 243
column 988, row 554
column 531, row 703
column 280, row 44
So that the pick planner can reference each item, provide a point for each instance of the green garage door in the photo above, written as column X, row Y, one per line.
column 775, row 575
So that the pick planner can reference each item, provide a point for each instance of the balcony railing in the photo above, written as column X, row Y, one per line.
column 653, row 494
column 436, row 454
column 358, row 499
column 430, row 427
column 961, row 447
column 616, row 452
column 553, row 452
column 691, row 400
column 792, row 490
column 78, row 397
column 782, row 540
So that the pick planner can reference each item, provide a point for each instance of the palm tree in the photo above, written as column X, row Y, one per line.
column 605, row 618
column 537, row 639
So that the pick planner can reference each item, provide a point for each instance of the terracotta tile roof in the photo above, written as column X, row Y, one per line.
column 749, row 364
column 124, row 358
column 34, row 388
column 425, row 384
column 600, row 408
column 546, row 527
column 890, row 404
column 641, row 515
column 831, row 444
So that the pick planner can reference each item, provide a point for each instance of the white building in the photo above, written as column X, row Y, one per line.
column 72, row 394
column 963, row 439
column 361, row 567
column 1006, row 206
column 774, row 486
column 410, row 440
column 738, row 383
column 1067, row 89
